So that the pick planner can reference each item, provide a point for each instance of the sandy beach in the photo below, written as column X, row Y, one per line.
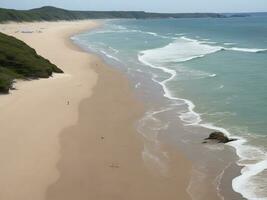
column 73, row 136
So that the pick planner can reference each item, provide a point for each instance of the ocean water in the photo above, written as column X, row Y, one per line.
column 211, row 73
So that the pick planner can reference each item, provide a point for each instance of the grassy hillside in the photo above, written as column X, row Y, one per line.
column 51, row 14
column 19, row 61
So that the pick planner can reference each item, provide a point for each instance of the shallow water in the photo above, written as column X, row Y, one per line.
column 208, row 73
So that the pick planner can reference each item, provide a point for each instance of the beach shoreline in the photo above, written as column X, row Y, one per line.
column 70, row 136
column 214, row 165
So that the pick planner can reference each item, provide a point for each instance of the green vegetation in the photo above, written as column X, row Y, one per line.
column 19, row 61
column 49, row 13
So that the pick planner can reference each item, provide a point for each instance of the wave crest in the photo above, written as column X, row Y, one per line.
column 253, row 160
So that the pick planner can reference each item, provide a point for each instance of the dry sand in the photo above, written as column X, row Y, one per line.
column 87, row 149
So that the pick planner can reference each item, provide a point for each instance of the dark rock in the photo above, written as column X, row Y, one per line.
column 220, row 137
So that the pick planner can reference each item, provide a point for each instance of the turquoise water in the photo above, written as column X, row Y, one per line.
column 217, row 67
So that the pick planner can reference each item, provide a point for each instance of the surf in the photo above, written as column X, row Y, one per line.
column 186, row 49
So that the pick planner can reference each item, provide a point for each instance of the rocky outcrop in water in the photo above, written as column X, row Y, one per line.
column 220, row 137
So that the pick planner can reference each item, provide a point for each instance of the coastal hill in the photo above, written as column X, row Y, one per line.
column 19, row 61
column 49, row 13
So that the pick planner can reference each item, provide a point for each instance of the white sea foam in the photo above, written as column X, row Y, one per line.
column 151, row 33
column 212, row 75
column 229, row 43
column 181, row 50
column 252, row 159
column 151, row 157
column 137, row 85
column 217, row 181
column 205, row 42
column 109, row 56
column 150, row 126
column 246, row 50
column 186, row 73
column 180, row 34
column 121, row 29
column 114, row 50
column 249, row 50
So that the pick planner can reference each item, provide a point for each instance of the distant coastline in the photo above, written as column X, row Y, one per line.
column 49, row 13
